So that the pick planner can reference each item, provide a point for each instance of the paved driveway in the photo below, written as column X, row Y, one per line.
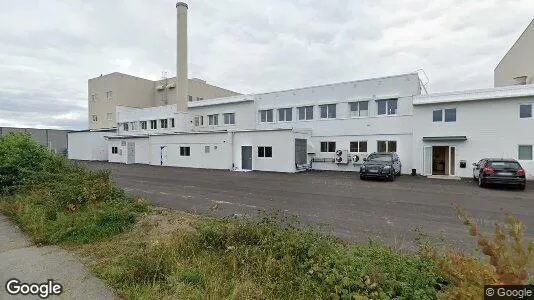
column 355, row 209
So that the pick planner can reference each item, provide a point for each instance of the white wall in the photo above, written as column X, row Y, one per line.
column 283, row 149
column 493, row 129
column 219, row 156
column 404, row 150
column 245, row 117
column 122, row 153
column 88, row 145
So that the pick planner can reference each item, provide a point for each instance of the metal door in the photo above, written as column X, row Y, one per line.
column 301, row 152
column 130, row 159
column 427, row 160
column 246, row 157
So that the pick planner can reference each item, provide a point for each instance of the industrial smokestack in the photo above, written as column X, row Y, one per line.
column 181, row 56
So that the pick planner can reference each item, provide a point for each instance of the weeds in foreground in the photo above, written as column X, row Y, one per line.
column 507, row 250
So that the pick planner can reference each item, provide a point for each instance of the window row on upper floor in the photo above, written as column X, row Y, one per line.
column 385, row 107
column 449, row 114
column 148, row 124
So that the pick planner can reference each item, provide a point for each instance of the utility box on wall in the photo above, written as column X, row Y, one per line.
column 463, row 164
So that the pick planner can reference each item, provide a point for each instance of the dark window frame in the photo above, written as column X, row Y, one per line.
column 185, row 150
column 328, row 147
column 527, row 113
column 265, row 151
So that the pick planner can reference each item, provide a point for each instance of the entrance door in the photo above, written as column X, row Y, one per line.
column 439, row 160
column 162, row 155
column 246, row 157
column 130, row 159
column 301, row 152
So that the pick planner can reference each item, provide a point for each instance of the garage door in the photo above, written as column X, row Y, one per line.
column 301, row 151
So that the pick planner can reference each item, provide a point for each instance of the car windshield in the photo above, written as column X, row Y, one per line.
column 386, row 158
column 505, row 165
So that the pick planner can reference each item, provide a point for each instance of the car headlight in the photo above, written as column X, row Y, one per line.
column 362, row 168
column 386, row 168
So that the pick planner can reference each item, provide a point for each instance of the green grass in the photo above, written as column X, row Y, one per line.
column 267, row 258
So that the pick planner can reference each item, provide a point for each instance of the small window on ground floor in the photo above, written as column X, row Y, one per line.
column 265, row 151
column 360, row 146
column 386, row 146
column 525, row 152
column 328, row 146
column 114, row 150
column 185, row 151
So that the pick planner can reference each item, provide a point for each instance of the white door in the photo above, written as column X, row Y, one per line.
column 427, row 160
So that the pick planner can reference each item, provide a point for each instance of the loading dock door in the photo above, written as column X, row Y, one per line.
column 301, row 152
column 246, row 157
column 130, row 159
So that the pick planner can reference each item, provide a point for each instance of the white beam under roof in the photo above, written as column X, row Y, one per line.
column 476, row 95
column 221, row 101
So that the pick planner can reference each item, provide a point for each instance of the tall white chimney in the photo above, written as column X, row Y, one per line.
column 181, row 57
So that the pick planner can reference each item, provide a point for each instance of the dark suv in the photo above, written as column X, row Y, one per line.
column 381, row 165
column 499, row 171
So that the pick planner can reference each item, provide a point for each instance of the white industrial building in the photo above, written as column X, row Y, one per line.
column 327, row 127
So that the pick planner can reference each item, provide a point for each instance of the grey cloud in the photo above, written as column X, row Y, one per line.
column 50, row 49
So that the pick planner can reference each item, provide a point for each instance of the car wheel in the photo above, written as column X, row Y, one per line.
column 362, row 177
column 522, row 187
column 392, row 176
column 481, row 182
column 400, row 171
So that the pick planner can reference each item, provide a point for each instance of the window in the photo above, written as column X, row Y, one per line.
column 450, row 115
column 525, row 111
column 199, row 120
column 360, row 146
column 206, row 149
column 359, row 109
column 190, row 98
column 109, row 95
column 285, row 114
column 387, row 107
column 133, row 125
column 164, row 123
column 386, row 146
column 328, row 111
column 125, row 126
column 153, row 124
column 93, row 98
column 525, row 152
column 213, row 120
column 328, row 146
column 114, row 150
column 172, row 122
column 266, row 115
column 109, row 116
column 199, row 98
column 229, row 118
column 185, row 151
column 95, row 118
column 265, row 151
column 305, row 113
column 143, row 125
column 437, row 115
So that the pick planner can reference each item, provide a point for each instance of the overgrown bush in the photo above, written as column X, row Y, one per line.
column 59, row 201
column 287, row 260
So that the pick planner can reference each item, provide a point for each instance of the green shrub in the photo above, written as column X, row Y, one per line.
column 59, row 201
column 287, row 260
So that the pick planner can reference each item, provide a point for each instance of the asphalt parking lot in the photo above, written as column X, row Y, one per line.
column 354, row 209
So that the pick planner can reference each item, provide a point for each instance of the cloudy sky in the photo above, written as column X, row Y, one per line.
column 49, row 48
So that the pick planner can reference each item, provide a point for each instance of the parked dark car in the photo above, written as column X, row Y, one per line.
column 384, row 165
column 499, row 171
